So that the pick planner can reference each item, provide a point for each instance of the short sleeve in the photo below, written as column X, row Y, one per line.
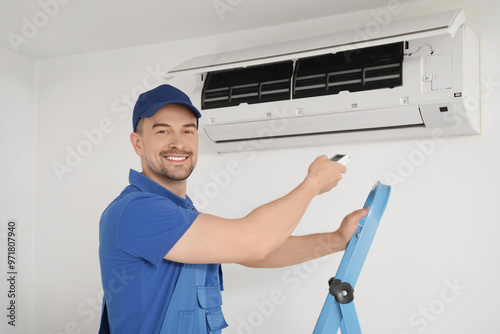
column 151, row 225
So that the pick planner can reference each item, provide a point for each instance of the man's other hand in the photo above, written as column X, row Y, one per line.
column 349, row 224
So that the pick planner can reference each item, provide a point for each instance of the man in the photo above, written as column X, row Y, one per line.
column 160, row 258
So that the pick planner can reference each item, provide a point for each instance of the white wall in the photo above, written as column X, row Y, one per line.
column 17, row 192
column 440, row 227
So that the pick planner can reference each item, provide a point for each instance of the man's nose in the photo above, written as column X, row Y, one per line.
column 176, row 141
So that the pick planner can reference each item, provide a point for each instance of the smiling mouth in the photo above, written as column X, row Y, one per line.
column 171, row 158
column 175, row 156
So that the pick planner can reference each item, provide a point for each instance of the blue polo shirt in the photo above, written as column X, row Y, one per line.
column 136, row 231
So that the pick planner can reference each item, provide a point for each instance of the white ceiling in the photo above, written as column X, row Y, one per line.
column 51, row 28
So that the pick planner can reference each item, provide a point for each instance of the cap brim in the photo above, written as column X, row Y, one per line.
column 154, row 108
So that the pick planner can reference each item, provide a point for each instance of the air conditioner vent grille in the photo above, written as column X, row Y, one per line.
column 255, row 84
column 356, row 70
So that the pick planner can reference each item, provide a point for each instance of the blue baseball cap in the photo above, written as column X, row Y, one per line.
column 151, row 101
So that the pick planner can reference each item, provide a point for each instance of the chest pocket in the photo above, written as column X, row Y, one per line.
column 196, row 303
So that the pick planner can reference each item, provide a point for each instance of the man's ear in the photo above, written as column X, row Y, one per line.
column 136, row 140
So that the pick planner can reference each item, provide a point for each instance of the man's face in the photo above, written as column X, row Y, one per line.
column 169, row 143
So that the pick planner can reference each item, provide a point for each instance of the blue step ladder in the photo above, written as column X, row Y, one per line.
column 338, row 310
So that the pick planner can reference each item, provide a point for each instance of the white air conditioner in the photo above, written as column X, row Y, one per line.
column 413, row 78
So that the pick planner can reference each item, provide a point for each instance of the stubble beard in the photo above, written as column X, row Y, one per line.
column 177, row 174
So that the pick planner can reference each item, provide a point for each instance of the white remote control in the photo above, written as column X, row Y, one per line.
column 341, row 158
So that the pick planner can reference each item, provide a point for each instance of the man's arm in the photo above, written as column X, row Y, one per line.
column 298, row 249
column 212, row 239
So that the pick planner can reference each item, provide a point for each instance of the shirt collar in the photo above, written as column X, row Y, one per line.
column 145, row 184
